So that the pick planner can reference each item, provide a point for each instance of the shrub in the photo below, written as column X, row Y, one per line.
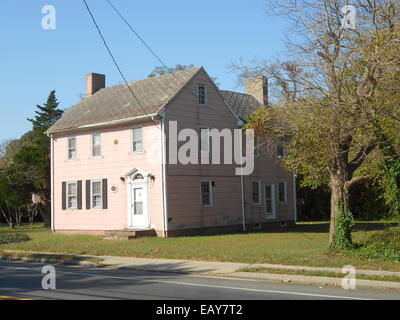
column 13, row 238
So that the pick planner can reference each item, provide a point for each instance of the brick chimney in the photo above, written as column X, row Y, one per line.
column 94, row 82
column 258, row 88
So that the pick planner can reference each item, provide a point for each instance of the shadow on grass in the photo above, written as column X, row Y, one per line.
column 324, row 228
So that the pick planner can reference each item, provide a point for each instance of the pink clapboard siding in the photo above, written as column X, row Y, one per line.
column 115, row 162
column 183, row 193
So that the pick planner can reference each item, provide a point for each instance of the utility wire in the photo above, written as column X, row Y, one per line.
column 148, row 47
column 155, row 54
column 116, row 64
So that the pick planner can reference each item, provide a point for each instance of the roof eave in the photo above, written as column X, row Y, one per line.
column 107, row 124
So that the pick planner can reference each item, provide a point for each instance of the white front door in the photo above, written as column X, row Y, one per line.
column 269, row 201
column 139, row 217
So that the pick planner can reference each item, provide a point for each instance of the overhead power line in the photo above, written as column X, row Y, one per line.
column 149, row 48
column 116, row 64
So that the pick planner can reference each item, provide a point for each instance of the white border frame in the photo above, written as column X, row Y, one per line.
column 130, row 184
column 101, row 193
column 76, row 148
column 91, row 145
column 131, row 147
column 67, row 183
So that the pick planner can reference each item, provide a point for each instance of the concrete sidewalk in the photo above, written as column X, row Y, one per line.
column 211, row 267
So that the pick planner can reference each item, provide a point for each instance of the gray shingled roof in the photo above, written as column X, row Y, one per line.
column 241, row 104
column 117, row 103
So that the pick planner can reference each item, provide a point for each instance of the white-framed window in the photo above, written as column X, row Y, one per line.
column 96, row 194
column 204, row 139
column 206, row 194
column 96, row 145
column 256, row 192
column 282, row 192
column 72, row 195
column 202, row 94
column 137, row 139
column 71, row 148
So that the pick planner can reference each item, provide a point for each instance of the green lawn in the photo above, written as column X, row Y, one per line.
column 304, row 244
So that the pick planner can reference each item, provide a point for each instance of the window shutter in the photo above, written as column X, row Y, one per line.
column 79, row 195
column 64, row 196
column 105, row 195
column 88, row 194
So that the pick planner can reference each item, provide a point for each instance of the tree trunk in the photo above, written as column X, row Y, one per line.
column 340, row 236
column 338, row 195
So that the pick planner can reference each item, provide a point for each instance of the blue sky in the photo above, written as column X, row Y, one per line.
column 33, row 61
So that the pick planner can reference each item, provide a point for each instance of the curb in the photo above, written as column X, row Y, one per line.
column 53, row 261
column 323, row 281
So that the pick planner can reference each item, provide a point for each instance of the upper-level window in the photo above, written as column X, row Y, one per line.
column 96, row 145
column 72, row 195
column 282, row 192
column 202, row 93
column 137, row 139
column 72, row 148
column 280, row 150
column 204, row 139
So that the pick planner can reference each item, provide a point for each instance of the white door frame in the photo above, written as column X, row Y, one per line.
column 273, row 198
column 131, row 184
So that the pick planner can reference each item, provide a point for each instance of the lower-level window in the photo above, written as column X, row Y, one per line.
column 255, row 192
column 206, row 194
column 96, row 194
column 72, row 195
column 282, row 191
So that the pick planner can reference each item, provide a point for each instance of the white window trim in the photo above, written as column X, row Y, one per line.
column 208, row 140
column 211, row 194
column 285, row 191
column 131, row 148
column 205, row 94
column 67, row 195
column 91, row 145
column 91, row 194
column 68, row 149
column 259, row 192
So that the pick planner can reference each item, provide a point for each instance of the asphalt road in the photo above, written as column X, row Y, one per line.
column 23, row 281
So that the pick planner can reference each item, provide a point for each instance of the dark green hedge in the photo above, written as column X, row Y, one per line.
column 13, row 238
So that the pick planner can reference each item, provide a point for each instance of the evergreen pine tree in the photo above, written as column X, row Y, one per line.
column 47, row 114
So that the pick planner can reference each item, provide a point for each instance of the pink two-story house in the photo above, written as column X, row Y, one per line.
column 111, row 170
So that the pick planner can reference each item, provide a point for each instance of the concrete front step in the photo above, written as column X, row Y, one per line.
column 128, row 234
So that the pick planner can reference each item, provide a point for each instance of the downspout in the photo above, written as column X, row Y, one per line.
column 242, row 182
column 52, row 182
column 294, row 197
column 163, row 175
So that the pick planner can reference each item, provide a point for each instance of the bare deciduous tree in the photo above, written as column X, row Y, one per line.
column 333, row 92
